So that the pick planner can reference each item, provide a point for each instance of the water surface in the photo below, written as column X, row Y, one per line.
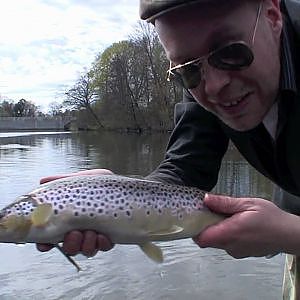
column 124, row 272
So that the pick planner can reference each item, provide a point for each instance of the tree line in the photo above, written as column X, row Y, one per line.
column 22, row 108
column 126, row 87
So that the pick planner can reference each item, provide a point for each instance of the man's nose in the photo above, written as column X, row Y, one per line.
column 215, row 80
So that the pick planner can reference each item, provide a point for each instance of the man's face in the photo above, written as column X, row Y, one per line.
column 241, row 98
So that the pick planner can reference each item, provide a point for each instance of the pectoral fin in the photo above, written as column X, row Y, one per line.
column 153, row 252
column 174, row 229
column 41, row 214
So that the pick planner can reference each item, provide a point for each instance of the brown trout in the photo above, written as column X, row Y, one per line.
column 127, row 210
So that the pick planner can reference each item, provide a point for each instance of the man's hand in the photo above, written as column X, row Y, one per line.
column 87, row 242
column 255, row 227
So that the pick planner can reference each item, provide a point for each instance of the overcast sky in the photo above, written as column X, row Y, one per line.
column 46, row 44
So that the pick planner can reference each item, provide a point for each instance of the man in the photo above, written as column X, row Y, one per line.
column 236, row 61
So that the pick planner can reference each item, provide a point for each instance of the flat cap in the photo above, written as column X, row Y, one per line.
column 151, row 9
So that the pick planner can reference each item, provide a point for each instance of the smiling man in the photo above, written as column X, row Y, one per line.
column 236, row 61
column 224, row 76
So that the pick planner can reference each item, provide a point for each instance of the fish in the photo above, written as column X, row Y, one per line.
column 128, row 210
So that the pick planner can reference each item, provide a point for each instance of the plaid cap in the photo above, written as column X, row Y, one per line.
column 151, row 9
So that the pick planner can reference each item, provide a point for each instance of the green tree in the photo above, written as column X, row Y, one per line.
column 6, row 108
column 24, row 108
column 126, row 86
column 131, row 79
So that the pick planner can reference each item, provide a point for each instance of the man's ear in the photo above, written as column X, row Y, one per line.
column 273, row 14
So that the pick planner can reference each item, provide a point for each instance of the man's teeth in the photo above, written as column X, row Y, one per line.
column 233, row 103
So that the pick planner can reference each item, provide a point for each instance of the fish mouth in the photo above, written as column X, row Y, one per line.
column 13, row 228
column 4, row 220
column 2, row 215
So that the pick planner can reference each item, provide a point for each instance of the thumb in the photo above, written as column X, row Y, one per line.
column 224, row 204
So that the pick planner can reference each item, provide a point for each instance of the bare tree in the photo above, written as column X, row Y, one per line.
column 55, row 108
column 162, row 95
column 83, row 95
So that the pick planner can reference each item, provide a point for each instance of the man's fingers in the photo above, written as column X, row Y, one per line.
column 214, row 236
column 94, row 172
column 51, row 178
column 85, row 172
column 72, row 242
column 228, row 205
column 103, row 243
column 44, row 247
column 89, row 244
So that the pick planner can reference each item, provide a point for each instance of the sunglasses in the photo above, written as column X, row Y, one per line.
column 234, row 56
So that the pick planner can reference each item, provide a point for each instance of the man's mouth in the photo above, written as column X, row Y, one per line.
column 234, row 102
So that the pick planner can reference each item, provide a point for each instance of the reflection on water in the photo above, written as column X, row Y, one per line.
column 124, row 272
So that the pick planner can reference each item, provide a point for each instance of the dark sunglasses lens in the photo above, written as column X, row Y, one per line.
column 235, row 56
column 190, row 76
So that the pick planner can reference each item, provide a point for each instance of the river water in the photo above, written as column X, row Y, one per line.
column 124, row 272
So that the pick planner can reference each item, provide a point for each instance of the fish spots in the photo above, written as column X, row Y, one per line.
column 114, row 196
column 21, row 208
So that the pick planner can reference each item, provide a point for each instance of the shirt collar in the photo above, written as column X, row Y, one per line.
column 288, row 74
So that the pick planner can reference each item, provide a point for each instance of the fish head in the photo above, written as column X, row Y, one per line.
column 17, row 218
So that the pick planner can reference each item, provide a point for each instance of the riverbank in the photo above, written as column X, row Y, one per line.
column 34, row 123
